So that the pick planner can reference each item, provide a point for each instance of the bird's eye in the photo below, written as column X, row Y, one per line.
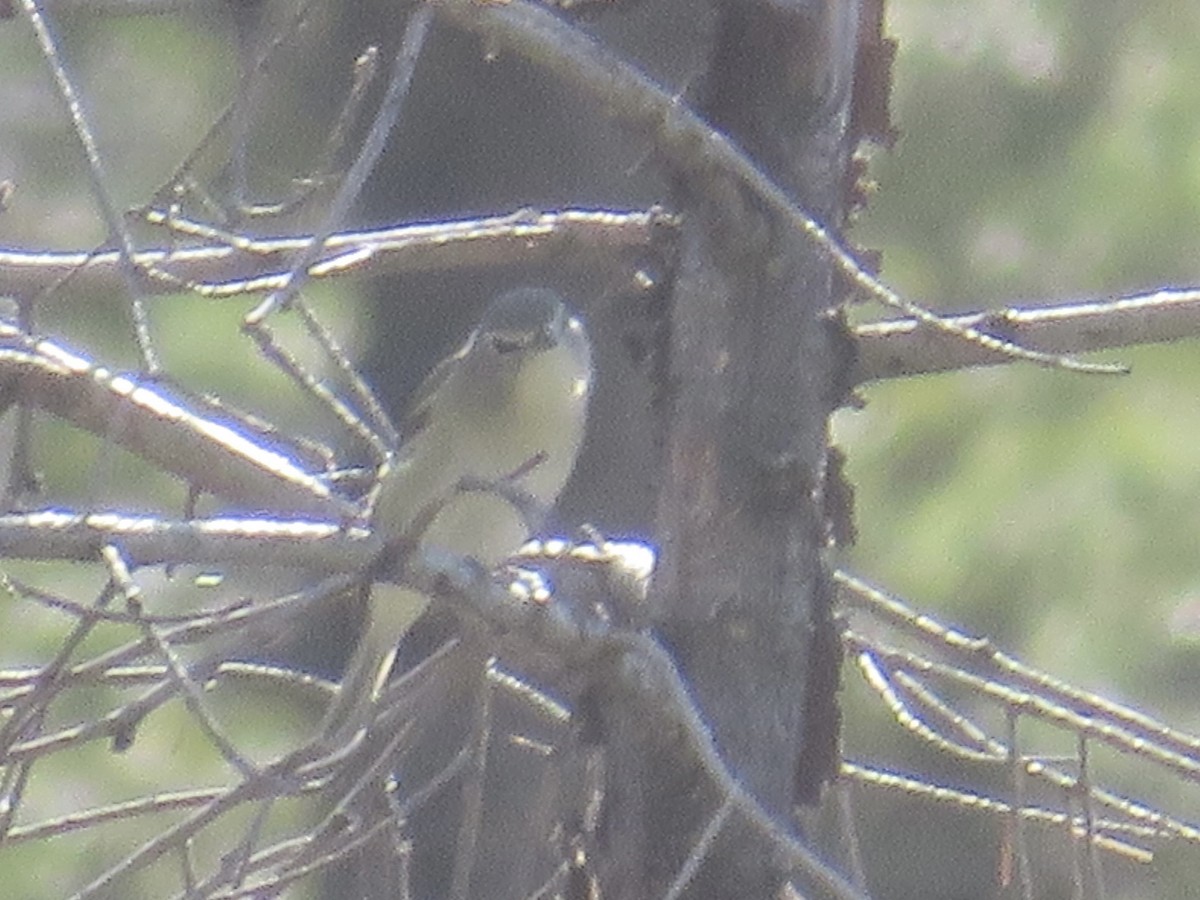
column 507, row 343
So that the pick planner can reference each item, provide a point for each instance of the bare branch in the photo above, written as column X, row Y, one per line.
column 53, row 534
column 903, row 347
column 229, row 267
column 211, row 449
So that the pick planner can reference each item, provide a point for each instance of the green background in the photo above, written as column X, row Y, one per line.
column 1050, row 151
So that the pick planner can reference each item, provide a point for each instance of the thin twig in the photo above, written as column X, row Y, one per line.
column 981, row 657
column 117, row 228
column 876, row 777
column 372, row 147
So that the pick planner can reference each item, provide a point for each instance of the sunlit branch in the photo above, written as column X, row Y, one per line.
column 226, row 265
column 210, row 449
column 55, row 534
column 903, row 347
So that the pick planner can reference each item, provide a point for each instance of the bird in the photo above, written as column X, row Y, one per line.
column 490, row 439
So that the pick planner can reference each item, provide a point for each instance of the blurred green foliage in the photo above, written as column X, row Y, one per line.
column 1050, row 151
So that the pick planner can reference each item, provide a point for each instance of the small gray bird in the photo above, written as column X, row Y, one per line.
column 507, row 409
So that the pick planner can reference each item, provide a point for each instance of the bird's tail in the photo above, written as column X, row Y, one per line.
column 391, row 611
